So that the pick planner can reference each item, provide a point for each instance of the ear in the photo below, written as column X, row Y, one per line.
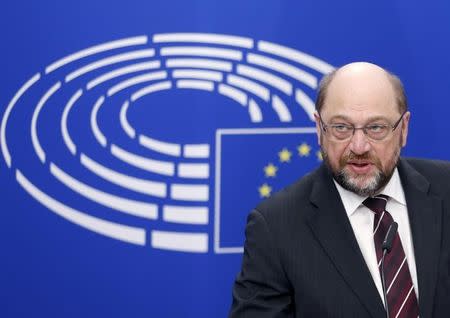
column 318, row 127
column 405, row 125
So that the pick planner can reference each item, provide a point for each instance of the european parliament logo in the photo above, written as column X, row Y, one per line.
column 165, row 141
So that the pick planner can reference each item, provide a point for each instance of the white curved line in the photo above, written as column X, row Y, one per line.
column 196, row 151
column 265, row 77
column 254, row 111
column 96, row 49
column 201, row 51
column 153, row 188
column 132, row 207
column 193, row 170
column 189, row 192
column 281, row 109
column 208, row 38
column 185, row 214
column 94, row 126
column 233, row 93
column 307, row 104
column 5, row 118
column 285, row 68
column 179, row 241
column 151, row 165
column 65, row 132
column 151, row 89
column 117, row 231
column 122, row 71
column 163, row 147
column 34, row 138
column 196, row 84
column 295, row 55
column 198, row 74
column 124, row 121
column 249, row 86
column 108, row 61
column 200, row 63
column 153, row 76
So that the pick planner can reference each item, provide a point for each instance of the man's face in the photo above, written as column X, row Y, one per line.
column 361, row 97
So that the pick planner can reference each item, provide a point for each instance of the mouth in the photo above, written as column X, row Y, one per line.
column 360, row 167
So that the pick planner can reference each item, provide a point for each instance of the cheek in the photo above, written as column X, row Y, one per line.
column 335, row 152
column 386, row 153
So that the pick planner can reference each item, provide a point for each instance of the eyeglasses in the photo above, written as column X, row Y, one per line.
column 374, row 132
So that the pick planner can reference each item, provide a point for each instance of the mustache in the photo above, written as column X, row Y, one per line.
column 352, row 156
column 365, row 157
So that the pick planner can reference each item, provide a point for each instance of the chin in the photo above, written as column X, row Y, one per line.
column 363, row 185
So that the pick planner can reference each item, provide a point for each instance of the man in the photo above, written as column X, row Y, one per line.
column 315, row 248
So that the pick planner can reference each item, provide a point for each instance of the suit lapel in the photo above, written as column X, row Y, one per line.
column 333, row 230
column 425, row 215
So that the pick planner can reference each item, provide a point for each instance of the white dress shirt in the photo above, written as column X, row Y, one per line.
column 361, row 218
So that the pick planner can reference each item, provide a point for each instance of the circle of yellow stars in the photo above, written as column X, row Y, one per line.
column 284, row 156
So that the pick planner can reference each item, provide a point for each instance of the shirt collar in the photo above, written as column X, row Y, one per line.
column 352, row 201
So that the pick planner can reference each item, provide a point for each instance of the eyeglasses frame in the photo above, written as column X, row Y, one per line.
column 394, row 126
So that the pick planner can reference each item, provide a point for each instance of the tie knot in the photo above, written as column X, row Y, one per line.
column 377, row 204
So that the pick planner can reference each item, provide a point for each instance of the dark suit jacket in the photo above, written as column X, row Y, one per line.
column 301, row 258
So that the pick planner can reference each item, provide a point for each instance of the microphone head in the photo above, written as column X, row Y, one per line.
column 389, row 239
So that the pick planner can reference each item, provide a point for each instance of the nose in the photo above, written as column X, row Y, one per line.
column 359, row 144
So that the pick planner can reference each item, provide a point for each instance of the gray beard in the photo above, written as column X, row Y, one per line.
column 379, row 180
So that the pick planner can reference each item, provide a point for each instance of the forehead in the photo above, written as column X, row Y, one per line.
column 360, row 95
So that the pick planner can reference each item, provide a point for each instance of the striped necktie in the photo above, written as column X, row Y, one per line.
column 401, row 297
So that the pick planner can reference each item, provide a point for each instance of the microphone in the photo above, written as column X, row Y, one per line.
column 388, row 240
column 386, row 247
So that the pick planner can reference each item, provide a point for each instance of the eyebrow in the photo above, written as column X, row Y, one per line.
column 347, row 119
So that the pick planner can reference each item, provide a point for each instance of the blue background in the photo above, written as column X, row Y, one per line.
column 51, row 268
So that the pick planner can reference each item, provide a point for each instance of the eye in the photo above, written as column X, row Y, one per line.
column 342, row 128
column 376, row 129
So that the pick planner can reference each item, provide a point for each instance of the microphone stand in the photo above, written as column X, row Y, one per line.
column 386, row 247
column 383, row 282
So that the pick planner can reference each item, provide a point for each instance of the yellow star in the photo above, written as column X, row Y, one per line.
column 265, row 190
column 319, row 155
column 270, row 170
column 285, row 155
column 303, row 150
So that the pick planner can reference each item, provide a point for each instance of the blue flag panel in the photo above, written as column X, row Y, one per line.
column 252, row 165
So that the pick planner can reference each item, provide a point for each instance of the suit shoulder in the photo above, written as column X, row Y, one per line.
column 431, row 168
column 437, row 172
